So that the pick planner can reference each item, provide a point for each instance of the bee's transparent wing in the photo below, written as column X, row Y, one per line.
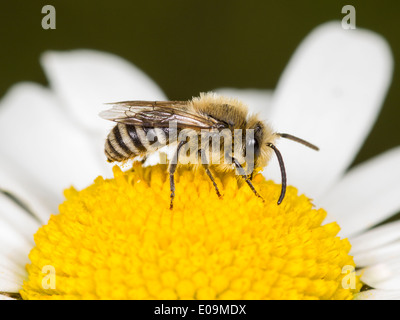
column 158, row 114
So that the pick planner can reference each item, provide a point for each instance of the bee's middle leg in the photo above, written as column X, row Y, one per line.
column 172, row 169
column 204, row 162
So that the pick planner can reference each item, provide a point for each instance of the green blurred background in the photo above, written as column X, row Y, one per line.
column 193, row 46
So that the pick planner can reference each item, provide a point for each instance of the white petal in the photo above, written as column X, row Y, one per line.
column 12, row 274
column 379, row 255
column 10, row 281
column 165, row 153
column 258, row 100
column 8, row 266
column 375, row 237
column 22, row 186
column 44, row 143
column 330, row 94
column 390, row 284
column 86, row 79
column 378, row 295
column 366, row 195
column 18, row 218
column 4, row 297
column 13, row 245
column 385, row 275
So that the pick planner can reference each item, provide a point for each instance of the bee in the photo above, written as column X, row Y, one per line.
column 143, row 127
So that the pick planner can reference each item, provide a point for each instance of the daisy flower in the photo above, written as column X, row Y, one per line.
column 236, row 248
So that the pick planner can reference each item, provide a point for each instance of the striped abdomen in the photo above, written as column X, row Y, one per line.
column 128, row 141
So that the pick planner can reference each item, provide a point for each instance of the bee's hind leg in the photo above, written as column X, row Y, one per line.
column 172, row 168
column 143, row 160
column 204, row 162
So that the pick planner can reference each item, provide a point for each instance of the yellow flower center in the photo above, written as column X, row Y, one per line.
column 117, row 239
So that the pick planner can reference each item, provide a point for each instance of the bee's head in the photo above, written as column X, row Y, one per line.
column 262, row 142
column 253, row 140
column 258, row 134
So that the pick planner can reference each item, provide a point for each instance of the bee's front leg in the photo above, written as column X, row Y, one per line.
column 243, row 174
column 251, row 175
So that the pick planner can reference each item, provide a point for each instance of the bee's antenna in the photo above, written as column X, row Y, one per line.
column 296, row 139
column 283, row 171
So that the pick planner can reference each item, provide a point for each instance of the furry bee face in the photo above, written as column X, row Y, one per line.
column 263, row 134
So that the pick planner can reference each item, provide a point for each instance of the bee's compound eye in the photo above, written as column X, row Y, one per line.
column 252, row 146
